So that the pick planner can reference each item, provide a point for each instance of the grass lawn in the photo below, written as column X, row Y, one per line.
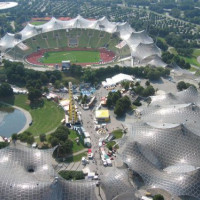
column 112, row 143
column 117, row 133
column 192, row 60
column 36, row 23
column 192, row 69
column 173, row 50
column 134, row 107
column 74, row 80
column 72, row 136
column 76, row 147
column 76, row 158
column 44, row 118
column 73, row 56
column 163, row 40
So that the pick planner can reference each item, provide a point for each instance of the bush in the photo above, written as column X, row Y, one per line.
column 158, row 197
column 42, row 137
column 3, row 144
column 183, row 85
column 137, row 102
column 30, row 139
column 75, row 175
column 14, row 136
column 25, row 137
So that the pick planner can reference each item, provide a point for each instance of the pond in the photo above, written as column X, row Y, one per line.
column 11, row 120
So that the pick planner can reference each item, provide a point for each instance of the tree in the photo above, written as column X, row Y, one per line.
column 153, row 75
column 109, row 102
column 57, row 84
column 158, row 197
column 139, row 90
column 42, row 137
column 115, row 96
column 46, row 89
column 66, row 147
column 14, row 136
column 30, row 139
column 3, row 144
column 119, row 110
column 6, row 90
column 147, row 83
column 126, row 102
column 54, row 141
column 125, row 85
column 181, row 86
column 148, row 91
column 34, row 94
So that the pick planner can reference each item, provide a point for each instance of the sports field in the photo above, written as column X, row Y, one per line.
column 73, row 56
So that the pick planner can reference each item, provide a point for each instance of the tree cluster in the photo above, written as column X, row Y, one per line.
column 183, row 85
column 25, row 137
column 33, row 80
column 144, row 92
column 18, row 75
column 122, row 106
column 6, row 90
column 183, row 48
column 60, row 138
column 3, row 144
column 174, row 59
column 96, row 75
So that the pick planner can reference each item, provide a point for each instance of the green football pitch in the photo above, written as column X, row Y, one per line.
column 73, row 56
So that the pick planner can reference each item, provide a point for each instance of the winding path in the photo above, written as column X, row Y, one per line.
column 28, row 118
column 198, row 59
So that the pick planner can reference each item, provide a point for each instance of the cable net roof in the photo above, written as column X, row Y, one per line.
column 137, row 41
column 27, row 173
column 115, row 182
column 163, row 147
column 143, row 51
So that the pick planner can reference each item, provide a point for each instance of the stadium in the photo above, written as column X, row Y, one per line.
column 82, row 41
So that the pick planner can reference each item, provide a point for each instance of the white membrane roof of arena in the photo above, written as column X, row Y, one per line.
column 6, row 5
column 142, row 47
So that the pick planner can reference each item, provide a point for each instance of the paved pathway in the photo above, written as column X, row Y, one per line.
column 198, row 59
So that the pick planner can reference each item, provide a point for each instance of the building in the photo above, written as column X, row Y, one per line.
column 66, row 64
column 102, row 115
column 143, row 50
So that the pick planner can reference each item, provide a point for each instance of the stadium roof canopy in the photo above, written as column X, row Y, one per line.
column 137, row 41
column 163, row 148
column 7, row 5
column 27, row 173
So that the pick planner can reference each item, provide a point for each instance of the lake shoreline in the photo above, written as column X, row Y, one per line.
column 27, row 115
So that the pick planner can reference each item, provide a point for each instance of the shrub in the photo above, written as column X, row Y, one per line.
column 3, row 144
column 75, row 175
